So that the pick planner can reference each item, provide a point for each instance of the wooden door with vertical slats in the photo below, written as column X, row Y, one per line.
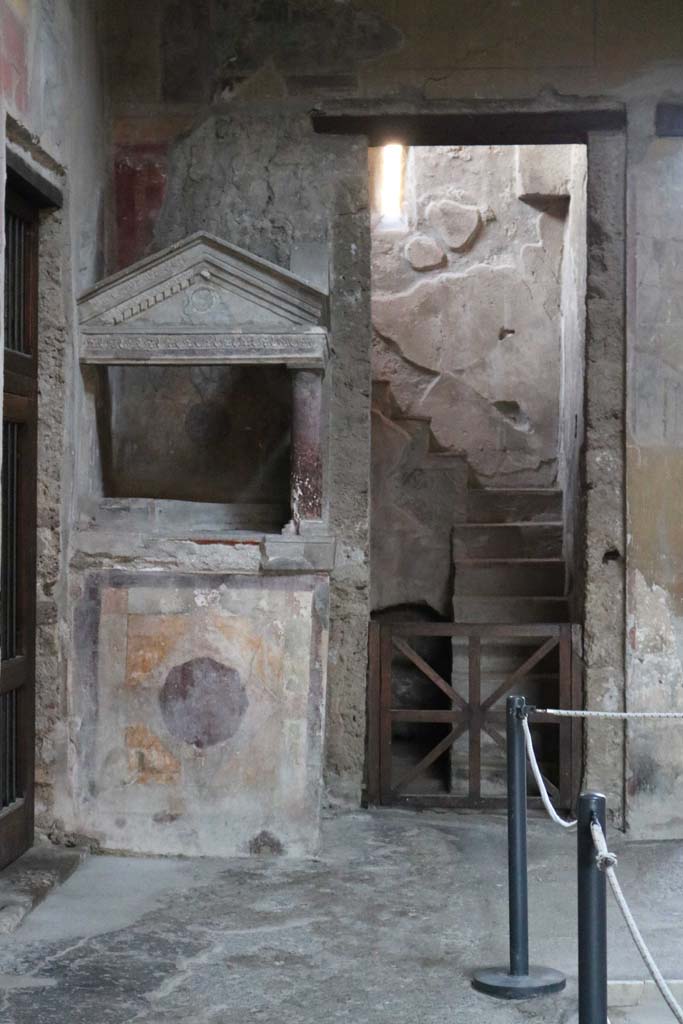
column 18, row 552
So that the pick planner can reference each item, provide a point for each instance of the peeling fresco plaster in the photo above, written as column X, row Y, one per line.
column 197, row 713
column 654, row 750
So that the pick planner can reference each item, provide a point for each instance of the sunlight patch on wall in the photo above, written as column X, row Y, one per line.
column 391, row 182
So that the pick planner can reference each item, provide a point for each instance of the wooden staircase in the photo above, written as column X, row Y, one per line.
column 508, row 559
column 508, row 569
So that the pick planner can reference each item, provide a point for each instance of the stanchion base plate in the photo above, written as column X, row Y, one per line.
column 540, row 981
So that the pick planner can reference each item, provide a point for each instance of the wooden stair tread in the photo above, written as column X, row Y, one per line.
column 523, row 524
column 516, row 490
column 499, row 560
column 515, row 597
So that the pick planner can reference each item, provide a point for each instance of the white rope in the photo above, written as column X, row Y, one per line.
column 606, row 862
column 605, row 859
column 536, row 771
column 566, row 713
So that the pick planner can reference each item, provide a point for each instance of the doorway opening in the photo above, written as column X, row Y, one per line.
column 479, row 262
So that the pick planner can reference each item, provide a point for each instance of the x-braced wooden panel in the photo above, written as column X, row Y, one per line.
column 474, row 716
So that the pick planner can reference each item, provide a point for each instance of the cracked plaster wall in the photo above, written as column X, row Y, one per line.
column 478, row 306
column 572, row 425
column 467, row 303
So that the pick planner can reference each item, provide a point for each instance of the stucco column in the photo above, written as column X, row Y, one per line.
column 306, row 455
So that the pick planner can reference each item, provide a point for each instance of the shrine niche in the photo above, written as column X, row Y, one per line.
column 200, row 556
column 203, row 368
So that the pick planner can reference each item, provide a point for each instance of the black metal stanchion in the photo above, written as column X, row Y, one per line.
column 521, row 981
column 592, row 915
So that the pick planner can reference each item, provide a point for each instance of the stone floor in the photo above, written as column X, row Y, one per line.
column 384, row 929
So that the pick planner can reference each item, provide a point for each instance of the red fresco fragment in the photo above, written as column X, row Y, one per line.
column 140, row 174
column 13, row 65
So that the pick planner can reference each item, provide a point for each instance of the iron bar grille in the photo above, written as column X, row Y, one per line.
column 19, row 238
column 10, row 789
column 9, row 577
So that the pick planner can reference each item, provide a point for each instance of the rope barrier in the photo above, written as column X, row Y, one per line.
column 536, row 771
column 606, row 861
column 566, row 713
column 596, row 865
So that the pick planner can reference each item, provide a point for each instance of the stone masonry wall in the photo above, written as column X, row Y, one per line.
column 51, row 116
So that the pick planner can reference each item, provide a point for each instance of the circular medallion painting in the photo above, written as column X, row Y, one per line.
column 203, row 702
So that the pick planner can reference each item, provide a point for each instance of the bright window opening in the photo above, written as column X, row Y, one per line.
column 391, row 182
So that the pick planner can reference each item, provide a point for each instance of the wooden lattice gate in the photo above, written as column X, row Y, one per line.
column 475, row 709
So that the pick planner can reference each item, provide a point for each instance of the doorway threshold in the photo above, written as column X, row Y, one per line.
column 26, row 882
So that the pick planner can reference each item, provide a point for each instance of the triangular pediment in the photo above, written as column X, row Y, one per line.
column 202, row 284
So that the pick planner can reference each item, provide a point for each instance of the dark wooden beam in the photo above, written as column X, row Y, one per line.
column 485, row 128
column 29, row 182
